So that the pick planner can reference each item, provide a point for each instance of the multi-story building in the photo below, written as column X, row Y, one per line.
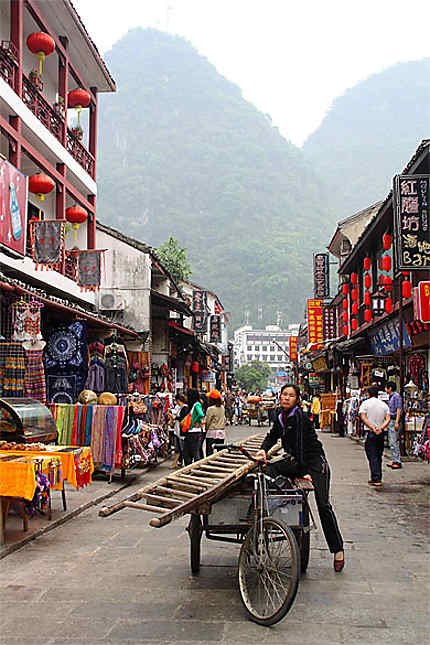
column 269, row 345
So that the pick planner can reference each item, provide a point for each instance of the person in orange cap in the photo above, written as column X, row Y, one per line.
column 215, row 421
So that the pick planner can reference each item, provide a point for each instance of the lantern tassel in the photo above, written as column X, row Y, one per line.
column 41, row 57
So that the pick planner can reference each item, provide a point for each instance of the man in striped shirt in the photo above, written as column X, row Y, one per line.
column 395, row 406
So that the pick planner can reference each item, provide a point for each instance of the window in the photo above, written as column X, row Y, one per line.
column 264, row 357
column 249, row 348
column 249, row 357
column 279, row 357
column 257, row 348
column 272, row 357
column 264, row 348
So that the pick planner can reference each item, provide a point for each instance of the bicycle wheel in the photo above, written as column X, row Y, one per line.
column 269, row 572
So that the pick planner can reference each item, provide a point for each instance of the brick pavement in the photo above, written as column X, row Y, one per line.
column 116, row 580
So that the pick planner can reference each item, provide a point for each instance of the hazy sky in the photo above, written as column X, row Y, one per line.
column 290, row 57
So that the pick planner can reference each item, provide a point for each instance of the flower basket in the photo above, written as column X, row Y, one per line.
column 36, row 80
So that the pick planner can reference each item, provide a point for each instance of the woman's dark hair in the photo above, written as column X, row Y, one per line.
column 180, row 397
column 193, row 397
column 296, row 390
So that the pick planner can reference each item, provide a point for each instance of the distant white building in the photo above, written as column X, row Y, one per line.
column 269, row 345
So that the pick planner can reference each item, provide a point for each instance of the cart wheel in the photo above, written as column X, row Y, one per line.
column 304, row 540
column 195, row 531
column 249, row 421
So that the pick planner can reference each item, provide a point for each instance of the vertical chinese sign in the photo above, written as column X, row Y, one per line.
column 293, row 343
column 329, row 323
column 215, row 328
column 411, row 199
column 199, row 310
column 13, row 208
column 424, row 301
column 321, row 275
column 315, row 322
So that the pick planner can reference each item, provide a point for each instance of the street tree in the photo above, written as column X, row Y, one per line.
column 253, row 375
column 174, row 258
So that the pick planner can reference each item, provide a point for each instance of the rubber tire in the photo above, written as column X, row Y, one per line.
column 281, row 613
column 195, row 531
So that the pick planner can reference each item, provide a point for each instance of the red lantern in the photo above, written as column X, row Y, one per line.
column 406, row 274
column 354, row 324
column 387, row 283
column 367, row 281
column 354, row 278
column 78, row 98
column 76, row 215
column 386, row 263
column 41, row 45
column 40, row 184
column 367, row 298
column 388, row 305
column 354, row 309
column 366, row 264
column 195, row 367
column 406, row 289
column 345, row 289
column 345, row 303
column 345, row 316
column 345, row 330
column 368, row 315
column 386, row 241
column 354, row 294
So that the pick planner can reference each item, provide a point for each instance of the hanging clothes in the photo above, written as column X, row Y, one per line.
column 35, row 382
column 66, row 363
column 12, row 369
column 116, row 372
column 96, row 367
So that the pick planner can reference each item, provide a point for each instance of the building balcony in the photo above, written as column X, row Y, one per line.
column 8, row 64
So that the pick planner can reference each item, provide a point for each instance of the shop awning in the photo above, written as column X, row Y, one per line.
column 183, row 330
column 170, row 303
column 346, row 345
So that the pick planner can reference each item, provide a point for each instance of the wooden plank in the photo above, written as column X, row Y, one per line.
column 175, row 491
column 165, row 500
column 198, row 480
column 220, row 469
column 202, row 472
column 145, row 507
column 190, row 488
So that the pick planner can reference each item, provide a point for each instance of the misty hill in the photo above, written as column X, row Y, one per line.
column 183, row 154
column 370, row 133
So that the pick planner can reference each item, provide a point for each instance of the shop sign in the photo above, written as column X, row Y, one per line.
column 424, row 301
column 320, row 364
column 314, row 379
column 13, row 208
column 208, row 377
column 293, row 343
column 411, row 201
column 199, row 310
column 386, row 339
column 315, row 322
column 321, row 275
column 215, row 328
column 329, row 323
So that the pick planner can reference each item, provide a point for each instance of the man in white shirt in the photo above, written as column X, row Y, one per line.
column 375, row 415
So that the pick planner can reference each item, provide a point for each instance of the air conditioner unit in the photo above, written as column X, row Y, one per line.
column 110, row 301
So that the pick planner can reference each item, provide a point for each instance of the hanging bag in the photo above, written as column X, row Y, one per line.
column 186, row 424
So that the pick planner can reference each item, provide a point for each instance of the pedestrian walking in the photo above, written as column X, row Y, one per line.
column 215, row 422
column 299, row 439
column 229, row 407
column 316, row 410
column 396, row 408
column 176, row 417
column 193, row 435
column 375, row 415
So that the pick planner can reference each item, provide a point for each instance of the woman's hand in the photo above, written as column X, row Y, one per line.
column 261, row 454
column 308, row 477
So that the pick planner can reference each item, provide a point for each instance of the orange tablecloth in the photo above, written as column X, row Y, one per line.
column 18, row 477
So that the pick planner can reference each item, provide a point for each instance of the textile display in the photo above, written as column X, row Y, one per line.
column 18, row 473
column 12, row 369
column 89, row 269
column 66, row 363
column 139, row 372
column 116, row 368
column 34, row 378
column 26, row 320
column 47, row 240
column 96, row 367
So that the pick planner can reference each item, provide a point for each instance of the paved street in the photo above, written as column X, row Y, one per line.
column 116, row 580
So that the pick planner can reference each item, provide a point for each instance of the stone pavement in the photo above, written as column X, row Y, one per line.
column 117, row 580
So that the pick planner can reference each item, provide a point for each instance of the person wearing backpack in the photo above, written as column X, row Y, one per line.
column 191, row 428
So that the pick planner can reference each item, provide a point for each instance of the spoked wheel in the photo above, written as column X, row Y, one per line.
column 195, row 531
column 269, row 571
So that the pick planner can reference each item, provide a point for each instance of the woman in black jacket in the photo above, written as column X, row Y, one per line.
column 300, row 441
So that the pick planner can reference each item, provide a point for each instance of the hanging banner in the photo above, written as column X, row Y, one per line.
column 293, row 343
column 215, row 329
column 321, row 275
column 386, row 339
column 199, row 310
column 411, row 197
column 315, row 322
column 329, row 323
column 424, row 301
column 47, row 241
column 89, row 269
column 13, row 207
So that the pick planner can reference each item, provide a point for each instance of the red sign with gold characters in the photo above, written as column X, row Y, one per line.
column 315, row 323
column 293, row 340
column 424, row 301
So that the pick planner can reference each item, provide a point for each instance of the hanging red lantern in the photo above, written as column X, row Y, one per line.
column 345, row 303
column 345, row 330
column 386, row 241
column 345, row 316
column 41, row 45
column 386, row 263
column 195, row 367
column 406, row 289
column 354, row 294
column 354, row 309
column 76, row 215
column 367, row 280
column 388, row 305
column 345, row 289
column 78, row 98
column 368, row 315
column 366, row 264
column 354, row 278
column 41, row 185
column 406, row 274
column 387, row 283
column 354, row 324
column 367, row 298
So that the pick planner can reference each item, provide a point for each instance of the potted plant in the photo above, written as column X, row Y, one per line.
column 77, row 132
column 59, row 107
column 35, row 79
